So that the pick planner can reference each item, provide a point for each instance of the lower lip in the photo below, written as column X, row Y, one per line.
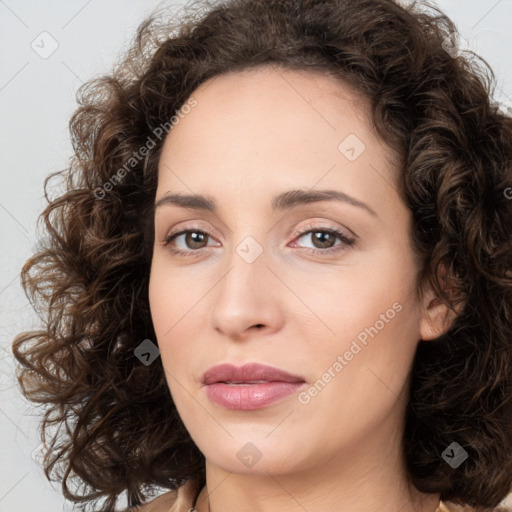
column 251, row 396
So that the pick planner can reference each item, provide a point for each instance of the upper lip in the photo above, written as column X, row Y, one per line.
column 251, row 372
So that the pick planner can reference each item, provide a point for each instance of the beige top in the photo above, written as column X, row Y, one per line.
column 184, row 498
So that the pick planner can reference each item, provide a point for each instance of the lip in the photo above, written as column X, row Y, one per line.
column 248, row 387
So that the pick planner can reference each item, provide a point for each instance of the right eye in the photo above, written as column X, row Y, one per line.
column 191, row 240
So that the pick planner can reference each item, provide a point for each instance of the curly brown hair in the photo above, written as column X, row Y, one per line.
column 89, row 283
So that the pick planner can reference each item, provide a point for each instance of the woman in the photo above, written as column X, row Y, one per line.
column 280, row 276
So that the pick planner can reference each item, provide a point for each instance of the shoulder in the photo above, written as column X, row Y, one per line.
column 448, row 506
column 173, row 501
column 161, row 504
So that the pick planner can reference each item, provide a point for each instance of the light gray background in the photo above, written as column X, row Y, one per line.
column 37, row 98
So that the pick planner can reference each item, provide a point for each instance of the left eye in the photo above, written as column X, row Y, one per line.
column 322, row 238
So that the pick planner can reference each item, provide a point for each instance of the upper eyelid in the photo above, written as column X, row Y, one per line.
column 304, row 230
column 311, row 227
column 180, row 230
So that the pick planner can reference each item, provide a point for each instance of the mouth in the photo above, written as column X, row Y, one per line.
column 243, row 383
column 249, row 387
column 251, row 373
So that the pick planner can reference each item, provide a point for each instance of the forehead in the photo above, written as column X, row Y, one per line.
column 275, row 82
column 280, row 94
column 269, row 123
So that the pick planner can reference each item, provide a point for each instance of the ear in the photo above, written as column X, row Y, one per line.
column 436, row 317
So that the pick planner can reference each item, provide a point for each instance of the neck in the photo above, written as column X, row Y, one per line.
column 366, row 476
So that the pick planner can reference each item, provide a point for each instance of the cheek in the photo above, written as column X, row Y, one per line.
column 173, row 316
column 344, row 306
column 178, row 316
column 369, row 316
column 161, row 301
column 167, row 307
column 365, row 361
column 171, row 297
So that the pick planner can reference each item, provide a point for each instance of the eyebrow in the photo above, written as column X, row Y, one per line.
column 284, row 201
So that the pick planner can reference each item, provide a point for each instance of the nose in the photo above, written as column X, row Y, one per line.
column 247, row 300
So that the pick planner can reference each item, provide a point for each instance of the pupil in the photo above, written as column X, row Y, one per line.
column 194, row 238
column 323, row 238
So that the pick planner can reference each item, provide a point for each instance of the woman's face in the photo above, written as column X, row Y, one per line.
column 295, row 254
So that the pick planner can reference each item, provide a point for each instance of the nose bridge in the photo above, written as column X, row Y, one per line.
column 243, row 298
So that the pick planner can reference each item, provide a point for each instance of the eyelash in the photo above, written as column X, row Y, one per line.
column 347, row 241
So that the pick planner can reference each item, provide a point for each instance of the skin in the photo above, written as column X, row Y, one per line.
column 253, row 135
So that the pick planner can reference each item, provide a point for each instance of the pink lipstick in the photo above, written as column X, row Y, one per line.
column 249, row 387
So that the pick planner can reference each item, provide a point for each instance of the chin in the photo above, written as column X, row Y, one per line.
column 255, row 454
